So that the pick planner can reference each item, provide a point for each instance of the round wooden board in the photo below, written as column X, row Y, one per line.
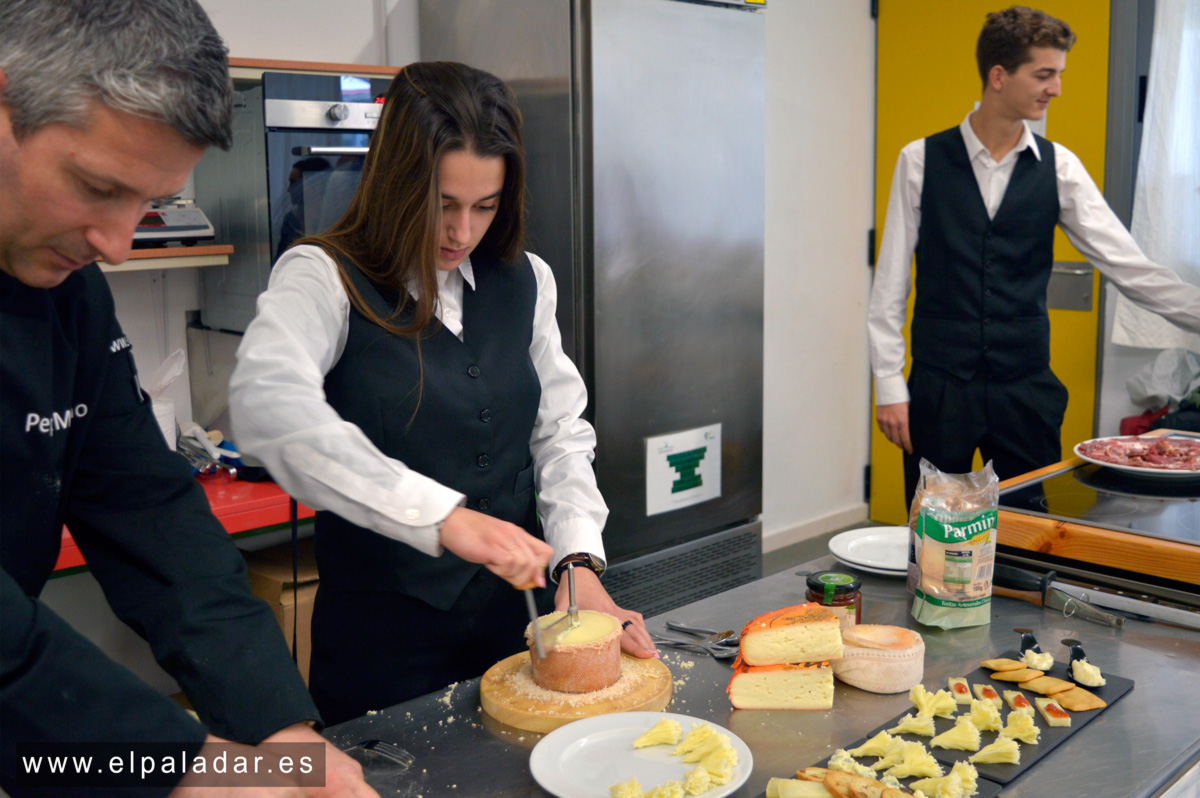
column 500, row 697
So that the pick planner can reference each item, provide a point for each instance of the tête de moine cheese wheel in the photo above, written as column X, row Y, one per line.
column 807, row 685
column 803, row 633
column 881, row 659
column 580, row 659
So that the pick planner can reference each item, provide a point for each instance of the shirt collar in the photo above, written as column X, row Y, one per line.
column 468, row 273
column 464, row 270
column 975, row 146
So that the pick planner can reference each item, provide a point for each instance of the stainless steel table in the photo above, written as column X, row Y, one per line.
column 1136, row 748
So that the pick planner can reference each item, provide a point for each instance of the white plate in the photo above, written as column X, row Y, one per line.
column 583, row 759
column 1141, row 471
column 882, row 548
column 870, row 570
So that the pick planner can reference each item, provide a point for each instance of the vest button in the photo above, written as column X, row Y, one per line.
column 473, row 371
column 987, row 322
column 485, row 415
column 484, row 504
column 987, row 292
column 484, row 461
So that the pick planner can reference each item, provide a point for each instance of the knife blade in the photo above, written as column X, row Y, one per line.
column 1037, row 589
column 1138, row 608
column 533, row 621
column 570, row 618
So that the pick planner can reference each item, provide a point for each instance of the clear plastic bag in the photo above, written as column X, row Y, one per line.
column 952, row 547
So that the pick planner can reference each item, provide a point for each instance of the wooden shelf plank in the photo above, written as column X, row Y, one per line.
column 172, row 258
column 252, row 68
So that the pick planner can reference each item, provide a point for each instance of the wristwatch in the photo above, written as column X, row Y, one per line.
column 581, row 558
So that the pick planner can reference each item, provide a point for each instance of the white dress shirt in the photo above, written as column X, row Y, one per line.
column 1083, row 215
column 280, row 415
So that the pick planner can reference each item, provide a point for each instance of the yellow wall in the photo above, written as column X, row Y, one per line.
column 927, row 82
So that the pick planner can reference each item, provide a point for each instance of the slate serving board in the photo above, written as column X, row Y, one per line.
column 1051, row 736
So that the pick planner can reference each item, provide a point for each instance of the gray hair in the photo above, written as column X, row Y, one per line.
column 159, row 59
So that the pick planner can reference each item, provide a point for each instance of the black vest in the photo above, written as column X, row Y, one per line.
column 981, row 283
column 459, row 412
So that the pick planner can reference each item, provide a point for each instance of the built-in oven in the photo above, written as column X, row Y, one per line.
column 298, row 146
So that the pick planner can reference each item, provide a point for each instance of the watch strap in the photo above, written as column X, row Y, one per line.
column 591, row 561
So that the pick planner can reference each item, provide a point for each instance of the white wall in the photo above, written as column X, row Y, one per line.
column 819, row 165
column 820, row 186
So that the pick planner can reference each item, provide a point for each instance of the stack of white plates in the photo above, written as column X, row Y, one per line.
column 876, row 549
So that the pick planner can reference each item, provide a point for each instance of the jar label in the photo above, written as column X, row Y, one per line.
column 846, row 615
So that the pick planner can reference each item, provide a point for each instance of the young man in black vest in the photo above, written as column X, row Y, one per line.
column 104, row 107
column 978, row 204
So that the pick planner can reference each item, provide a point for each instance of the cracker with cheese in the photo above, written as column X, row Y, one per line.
column 985, row 693
column 1052, row 713
column 1017, row 701
column 960, row 689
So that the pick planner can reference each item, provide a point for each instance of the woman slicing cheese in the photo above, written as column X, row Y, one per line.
column 405, row 377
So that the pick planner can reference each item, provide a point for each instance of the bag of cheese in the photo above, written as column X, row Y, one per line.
column 952, row 547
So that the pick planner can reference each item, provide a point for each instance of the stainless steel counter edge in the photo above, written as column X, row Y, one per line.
column 1137, row 748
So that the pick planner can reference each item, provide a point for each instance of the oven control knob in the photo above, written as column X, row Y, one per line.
column 338, row 112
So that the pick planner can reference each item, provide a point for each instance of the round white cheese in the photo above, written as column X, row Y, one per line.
column 881, row 659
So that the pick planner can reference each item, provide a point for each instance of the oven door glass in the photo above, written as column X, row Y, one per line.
column 311, row 177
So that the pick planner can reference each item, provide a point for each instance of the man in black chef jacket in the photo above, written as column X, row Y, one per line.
column 978, row 205
column 103, row 108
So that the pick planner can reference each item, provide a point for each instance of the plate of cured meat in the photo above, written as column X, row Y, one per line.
column 1166, row 456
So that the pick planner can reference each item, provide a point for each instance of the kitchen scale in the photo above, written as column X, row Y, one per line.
column 174, row 219
column 182, row 222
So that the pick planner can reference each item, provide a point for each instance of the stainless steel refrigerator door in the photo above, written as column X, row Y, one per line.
column 528, row 43
column 644, row 126
column 677, row 114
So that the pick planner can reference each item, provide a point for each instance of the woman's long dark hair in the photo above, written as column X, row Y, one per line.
column 391, row 231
